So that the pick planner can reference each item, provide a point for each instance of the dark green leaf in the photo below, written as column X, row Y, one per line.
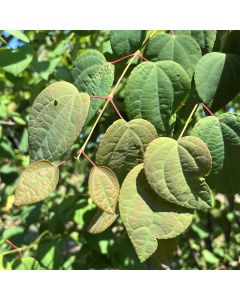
column 155, row 91
column 222, row 136
column 217, row 78
column 126, row 42
column 182, row 49
column 93, row 75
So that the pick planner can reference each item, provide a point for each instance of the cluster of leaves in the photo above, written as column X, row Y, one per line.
column 147, row 176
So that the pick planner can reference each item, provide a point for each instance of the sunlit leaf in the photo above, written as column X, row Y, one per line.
column 104, row 188
column 37, row 182
column 56, row 120
column 124, row 144
column 101, row 221
column 176, row 171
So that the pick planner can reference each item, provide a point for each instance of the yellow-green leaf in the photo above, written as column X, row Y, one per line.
column 124, row 144
column 101, row 221
column 37, row 182
column 104, row 188
column 56, row 120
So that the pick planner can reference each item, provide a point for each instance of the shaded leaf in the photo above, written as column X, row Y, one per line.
column 146, row 216
column 101, row 221
column 176, row 170
column 126, row 42
column 205, row 38
column 182, row 49
column 104, row 188
column 217, row 78
column 231, row 43
column 124, row 144
column 164, row 254
column 46, row 68
column 56, row 120
column 37, row 182
column 155, row 91
column 222, row 136
column 94, row 76
column 16, row 61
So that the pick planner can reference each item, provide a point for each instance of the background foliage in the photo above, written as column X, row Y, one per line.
column 53, row 233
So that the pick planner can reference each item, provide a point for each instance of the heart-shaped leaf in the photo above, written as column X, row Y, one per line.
column 146, row 216
column 16, row 61
column 37, row 182
column 56, row 119
column 222, row 136
column 124, row 144
column 217, row 78
column 176, row 170
column 104, row 188
column 125, row 42
column 101, row 221
column 205, row 38
column 93, row 75
column 155, row 91
column 182, row 49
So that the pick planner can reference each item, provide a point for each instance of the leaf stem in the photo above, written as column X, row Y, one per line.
column 112, row 102
column 11, row 244
column 127, row 56
column 188, row 120
column 81, row 151
column 207, row 109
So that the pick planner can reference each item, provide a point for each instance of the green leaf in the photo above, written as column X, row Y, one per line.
column 205, row 38
column 182, row 49
column 101, row 221
column 104, row 188
column 209, row 257
column 26, row 263
column 94, row 76
column 124, row 144
column 146, row 216
column 126, row 42
column 176, row 170
column 37, row 182
column 217, row 78
column 16, row 61
column 222, row 136
column 56, row 120
column 19, row 34
column 155, row 91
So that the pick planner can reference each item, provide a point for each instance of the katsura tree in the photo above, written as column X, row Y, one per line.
column 157, row 165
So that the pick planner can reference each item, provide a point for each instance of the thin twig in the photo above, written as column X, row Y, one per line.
column 112, row 102
column 12, row 245
column 188, row 120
